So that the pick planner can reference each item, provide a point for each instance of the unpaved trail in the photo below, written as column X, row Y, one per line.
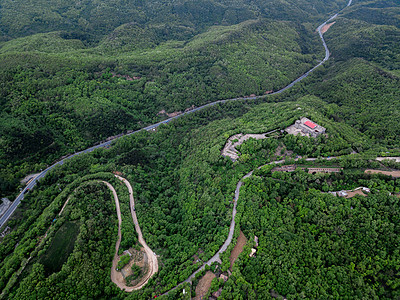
column 152, row 258
column 65, row 204
column 114, row 273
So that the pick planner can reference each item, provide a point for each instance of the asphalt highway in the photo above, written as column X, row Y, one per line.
column 31, row 185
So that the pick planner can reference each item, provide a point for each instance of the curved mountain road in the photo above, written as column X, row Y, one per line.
column 216, row 257
column 152, row 258
column 31, row 185
column 116, row 276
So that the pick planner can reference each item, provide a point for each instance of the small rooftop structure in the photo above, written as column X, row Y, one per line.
column 217, row 293
column 253, row 251
column 256, row 241
column 224, row 277
column 305, row 127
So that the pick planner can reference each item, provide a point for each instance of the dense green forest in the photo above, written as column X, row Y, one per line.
column 72, row 75
column 91, row 20
column 183, row 188
column 54, row 104
column 57, row 92
column 315, row 245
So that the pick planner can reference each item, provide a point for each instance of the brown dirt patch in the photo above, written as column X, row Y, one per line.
column 29, row 178
column 203, row 285
column 389, row 173
column 173, row 114
column 138, row 258
column 326, row 27
column 278, row 151
column 353, row 193
column 241, row 241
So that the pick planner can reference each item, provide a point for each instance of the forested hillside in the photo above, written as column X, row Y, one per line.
column 299, row 232
column 58, row 89
column 90, row 20
column 183, row 188
column 54, row 104
column 75, row 74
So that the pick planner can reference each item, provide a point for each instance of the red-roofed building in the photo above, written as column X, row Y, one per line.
column 306, row 127
column 310, row 124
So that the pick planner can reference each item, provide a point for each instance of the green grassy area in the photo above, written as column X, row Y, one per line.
column 61, row 247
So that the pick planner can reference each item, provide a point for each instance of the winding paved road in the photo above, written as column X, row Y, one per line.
column 31, row 185
column 216, row 257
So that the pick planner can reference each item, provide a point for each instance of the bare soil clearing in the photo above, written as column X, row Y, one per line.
column 203, row 285
column 395, row 174
column 241, row 241
column 28, row 178
column 138, row 258
column 326, row 27
column 396, row 159
column 353, row 193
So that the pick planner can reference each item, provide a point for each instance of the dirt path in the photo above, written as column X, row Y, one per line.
column 238, row 139
column 114, row 275
column 152, row 258
column 65, row 204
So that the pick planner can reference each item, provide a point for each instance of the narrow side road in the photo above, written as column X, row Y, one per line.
column 114, row 274
column 216, row 257
column 152, row 258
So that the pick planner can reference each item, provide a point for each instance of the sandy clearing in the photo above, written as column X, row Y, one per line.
column 395, row 174
column 241, row 241
column 204, row 285
column 152, row 258
column 326, row 27
column 351, row 194
column 28, row 178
